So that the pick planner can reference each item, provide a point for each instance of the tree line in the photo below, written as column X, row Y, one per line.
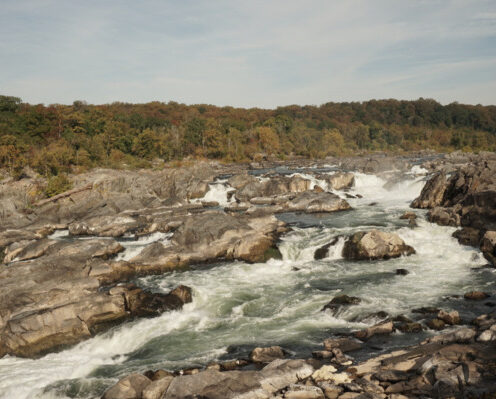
column 57, row 139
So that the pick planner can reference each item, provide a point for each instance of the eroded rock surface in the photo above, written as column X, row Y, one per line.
column 375, row 244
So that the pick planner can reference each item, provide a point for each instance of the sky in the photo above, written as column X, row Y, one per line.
column 248, row 53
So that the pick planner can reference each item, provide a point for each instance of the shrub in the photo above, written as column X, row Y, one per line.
column 57, row 184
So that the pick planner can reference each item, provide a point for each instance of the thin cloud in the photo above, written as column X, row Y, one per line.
column 247, row 53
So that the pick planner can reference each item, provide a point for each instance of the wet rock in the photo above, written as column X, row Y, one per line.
column 410, row 327
column 476, row 296
column 435, row 324
column 402, row 272
column 408, row 216
column 344, row 344
column 323, row 354
column 158, row 374
column 145, row 304
column 468, row 236
column 426, row 310
column 444, row 216
column 323, row 251
column 450, row 318
column 488, row 246
column 233, row 364
column 374, row 245
column 341, row 300
column 432, row 194
column 266, row 355
column 130, row 387
column 379, row 329
column 183, row 293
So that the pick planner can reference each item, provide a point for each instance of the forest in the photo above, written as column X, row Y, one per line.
column 58, row 139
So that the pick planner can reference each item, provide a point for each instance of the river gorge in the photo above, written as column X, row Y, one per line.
column 240, row 302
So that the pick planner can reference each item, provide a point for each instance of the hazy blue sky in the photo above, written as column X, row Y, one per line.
column 248, row 53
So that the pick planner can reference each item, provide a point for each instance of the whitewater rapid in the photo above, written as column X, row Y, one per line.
column 237, row 306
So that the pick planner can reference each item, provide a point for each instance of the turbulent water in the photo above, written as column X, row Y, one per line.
column 237, row 306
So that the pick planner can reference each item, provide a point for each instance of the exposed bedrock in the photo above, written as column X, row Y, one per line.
column 212, row 235
column 102, row 192
column 375, row 244
column 467, row 199
column 55, row 300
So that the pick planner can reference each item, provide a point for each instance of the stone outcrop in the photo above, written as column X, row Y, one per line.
column 432, row 194
column 212, row 235
column 467, row 198
column 249, row 187
column 460, row 363
column 54, row 301
column 375, row 244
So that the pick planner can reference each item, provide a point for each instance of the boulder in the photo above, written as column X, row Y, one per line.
column 157, row 388
column 130, row 387
column 298, row 391
column 266, row 355
column 378, row 329
column 375, row 244
column 488, row 335
column 145, row 304
column 408, row 216
column 402, row 272
column 341, row 180
column 452, row 318
column 323, row 251
column 432, row 194
column 436, row 324
column 315, row 202
column 247, row 384
column 476, row 296
column 329, row 373
column 488, row 246
column 409, row 327
column 341, row 300
column 344, row 344
column 213, row 384
column 468, row 236
column 444, row 216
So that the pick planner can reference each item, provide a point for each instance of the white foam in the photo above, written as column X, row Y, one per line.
column 314, row 182
column 418, row 170
column 218, row 192
column 134, row 247
column 58, row 234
